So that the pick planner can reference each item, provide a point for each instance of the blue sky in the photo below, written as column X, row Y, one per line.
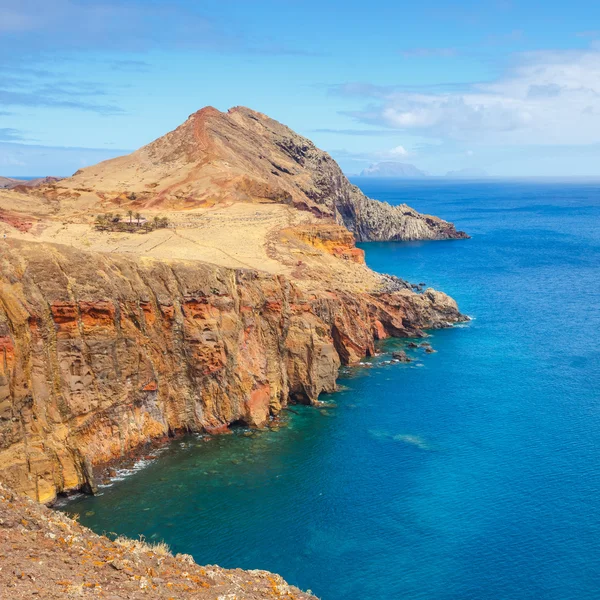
column 511, row 87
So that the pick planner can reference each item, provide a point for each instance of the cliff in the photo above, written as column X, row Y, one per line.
column 47, row 555
column 112, row 338
column 244, row 156
column 101, row 353
column 252, row 297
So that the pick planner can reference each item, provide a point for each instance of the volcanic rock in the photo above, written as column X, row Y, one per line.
column 401, row 356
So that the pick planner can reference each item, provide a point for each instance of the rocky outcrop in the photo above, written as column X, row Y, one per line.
column 15, row 220
column 372, row 221
column 333, row 239
column 45, row 554
column 101, row 353
column 243, row 155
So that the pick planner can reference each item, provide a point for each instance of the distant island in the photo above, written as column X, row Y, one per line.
column 397, row 170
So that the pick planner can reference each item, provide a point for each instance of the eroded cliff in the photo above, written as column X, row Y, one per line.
column 100, row 353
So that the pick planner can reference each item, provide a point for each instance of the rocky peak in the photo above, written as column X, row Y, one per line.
column 245, row 156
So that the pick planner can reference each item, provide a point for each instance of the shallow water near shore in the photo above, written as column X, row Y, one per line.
column 471, row 473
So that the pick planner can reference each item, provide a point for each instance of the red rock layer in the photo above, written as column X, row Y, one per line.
column 333, row 239
column 15, row 221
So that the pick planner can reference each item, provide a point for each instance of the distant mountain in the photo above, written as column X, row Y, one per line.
column 9, row 183
column 40, row 181
column 393, row 169
column 468, row 174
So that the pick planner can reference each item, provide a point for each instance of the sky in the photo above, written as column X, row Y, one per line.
column 511, row 87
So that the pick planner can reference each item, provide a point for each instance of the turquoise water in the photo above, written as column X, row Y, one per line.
column 472, row 473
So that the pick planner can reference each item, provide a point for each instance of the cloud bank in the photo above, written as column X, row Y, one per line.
column 545, row 98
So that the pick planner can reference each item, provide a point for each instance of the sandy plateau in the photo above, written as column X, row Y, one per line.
column 267, row 237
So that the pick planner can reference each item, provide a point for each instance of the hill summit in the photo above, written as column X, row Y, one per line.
column 244, row 156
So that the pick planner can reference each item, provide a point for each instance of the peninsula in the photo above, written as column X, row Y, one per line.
column 248, row 294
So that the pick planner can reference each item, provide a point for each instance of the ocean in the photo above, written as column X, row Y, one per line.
column 471, row 473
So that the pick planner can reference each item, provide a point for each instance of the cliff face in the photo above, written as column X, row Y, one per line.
column 47, row 555
column 101, row 353
column 243, row 155
column 371, row 221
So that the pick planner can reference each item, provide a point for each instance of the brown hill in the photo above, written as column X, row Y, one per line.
column 242, row 155
column 7, row 182
column 112, row 339
column 251, row 297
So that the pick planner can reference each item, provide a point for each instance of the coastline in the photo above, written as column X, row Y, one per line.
column 176, row 347
column 119, row 468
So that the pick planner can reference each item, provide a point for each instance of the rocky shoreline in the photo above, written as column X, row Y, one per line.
column 103, row 353
column 105, row 473
column 112, row 342
column 46, row 554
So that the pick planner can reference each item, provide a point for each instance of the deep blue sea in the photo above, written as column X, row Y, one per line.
column 472, row 473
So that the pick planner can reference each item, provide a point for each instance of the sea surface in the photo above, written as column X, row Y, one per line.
column 471, row 473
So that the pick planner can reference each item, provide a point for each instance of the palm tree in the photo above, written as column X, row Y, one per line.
column 156, row 222
column 138, row 218
column 130, row 215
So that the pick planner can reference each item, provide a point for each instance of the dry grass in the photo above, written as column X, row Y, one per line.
column 141, row 545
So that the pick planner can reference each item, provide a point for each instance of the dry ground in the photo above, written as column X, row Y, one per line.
column 236, row 235
column 46, row 555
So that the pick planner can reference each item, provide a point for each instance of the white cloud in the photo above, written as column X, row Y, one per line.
column 546, row 98
column 396, row 154
column 398, row 151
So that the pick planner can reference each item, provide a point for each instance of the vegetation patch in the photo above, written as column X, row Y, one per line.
column 132, row 222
